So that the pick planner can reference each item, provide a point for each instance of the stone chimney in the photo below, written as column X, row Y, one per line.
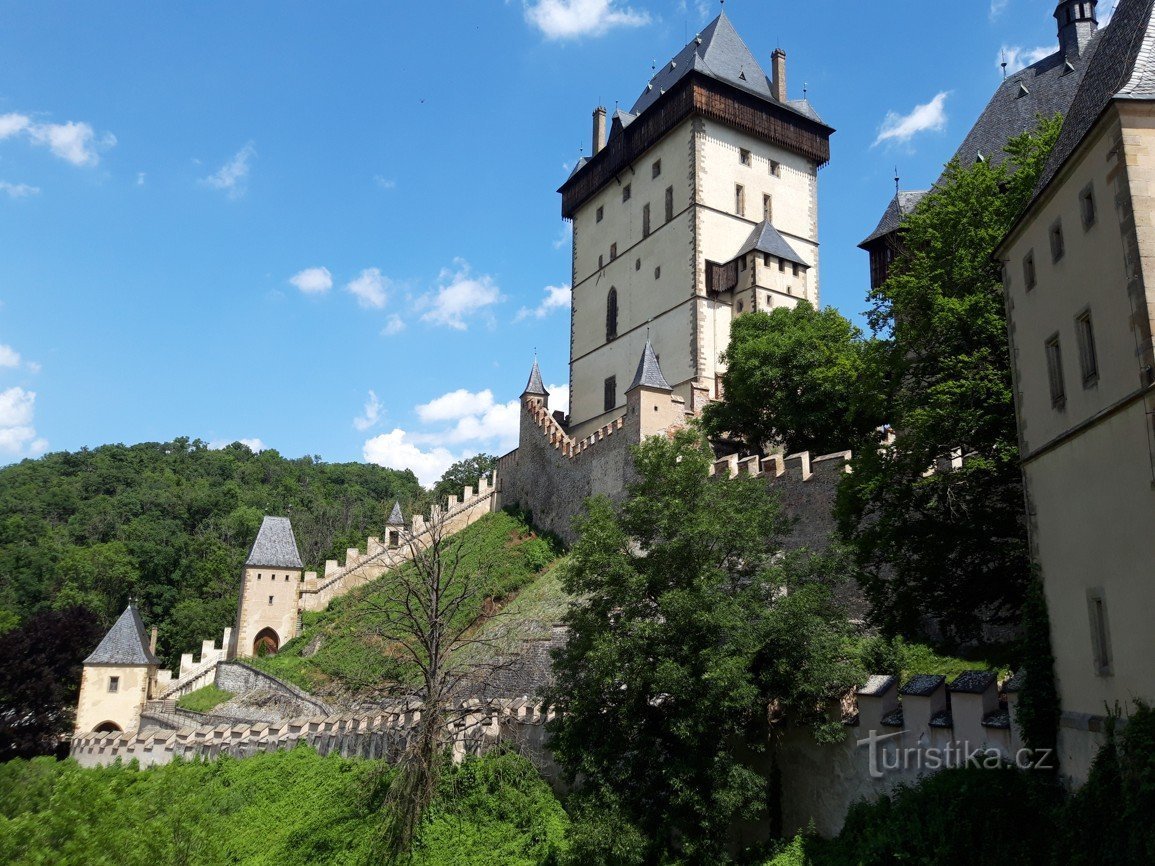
column 778, row 74
column 1077, row 24
column 152, row 641
column 599, row 129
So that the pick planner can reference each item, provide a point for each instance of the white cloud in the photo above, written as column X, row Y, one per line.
column 564, row 236
column 232, row 177
column 313, row 281
column 371, row 415
column 571, row 19
column 254, row 444
column 460, row 296
column 558, row 398
column 73, row 141
column 140, row 178
column 930, row 117
column 18, row 190
column 17, row 433
column 384, row 182
column 998, row 7
column 556, row 298
column 1017, row 57
column 394, row 325
column 369, row 288
column 454, row 405
column 396, row 451
column 9, row 357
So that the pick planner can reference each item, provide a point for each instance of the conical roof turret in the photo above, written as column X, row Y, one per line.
column 396, row 518
column 125, row 643
column 649, row 374
column 534, row 388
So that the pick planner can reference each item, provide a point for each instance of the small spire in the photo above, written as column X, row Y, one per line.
column 897, row 179
column 534, row 387
column 1004, row 64
column 395, row 517
column 649, row 374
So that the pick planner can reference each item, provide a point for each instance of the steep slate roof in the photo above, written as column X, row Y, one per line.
column 534, row 387
column 649, row 374
column 125, row 643
column 765, row 239
column 903, row 203
column 1122, row 67
column 719, row 52
column 275, row 546
column 396, row 518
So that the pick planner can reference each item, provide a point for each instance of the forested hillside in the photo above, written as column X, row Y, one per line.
column 170, row 524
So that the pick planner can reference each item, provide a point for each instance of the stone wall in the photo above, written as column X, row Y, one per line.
column 281, row 699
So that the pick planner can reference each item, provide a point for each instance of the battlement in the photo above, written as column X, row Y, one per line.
column 561, row 441
column 785, row 468
column 193, row 674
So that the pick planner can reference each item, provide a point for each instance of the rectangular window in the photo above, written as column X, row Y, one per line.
column 775, row 168
column 1055, row 372
column 669, row 203
column 1029, row 270
column 270, row 599
column 744, row 156
column 394, row 538
column 1087, row 206
column 1100, row 636
column 742, row 263
column 601, row 212
column 613, row 251
column 1057, row 247
column 114, row 684
column 601, row 261
column 627, row 191
column 611, row 393
column 656, row 168
column 646, row 220
column 767, row 208
column 782, row 266
column 794, row 265
column 740, row 200
column 1088, row 359
column 658, row 272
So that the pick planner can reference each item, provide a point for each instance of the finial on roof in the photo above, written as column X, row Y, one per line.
column 649, row 374
column 896, row 181
column 534, row 387
column 1004, row 63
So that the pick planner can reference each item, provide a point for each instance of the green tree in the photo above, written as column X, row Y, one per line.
column 689, row 625
column 798, row 377
column 950, row 544
column 462, row 474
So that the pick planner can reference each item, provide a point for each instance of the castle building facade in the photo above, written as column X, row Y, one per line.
column 270, row 591
column 1079, row 274
column 698, row 204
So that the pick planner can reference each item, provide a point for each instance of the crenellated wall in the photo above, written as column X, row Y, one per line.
column 193, row 674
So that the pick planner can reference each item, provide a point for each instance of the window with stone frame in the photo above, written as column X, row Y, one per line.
column 656, row 168
column 612, row 314
column 744, row 156
column 767, row 208
column 113, row 684
column 1054, row 353
column 1058, row 247
column 740, row 199
column 627, row 191
column 1087, row 205
column 600, row 213
column 1088, row 357
column 646, row 220
column 669, row 203
column 611, row 393
column 1029, row 276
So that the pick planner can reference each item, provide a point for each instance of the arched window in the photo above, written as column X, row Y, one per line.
column 612, row 315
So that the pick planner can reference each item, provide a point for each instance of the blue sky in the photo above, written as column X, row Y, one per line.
column 332, row 228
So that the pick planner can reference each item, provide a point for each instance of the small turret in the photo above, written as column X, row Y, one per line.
column 395, row 525
column 1077, row 24
column 118, row 678
column 650, row 400
column 534, row 389
column 270, row 591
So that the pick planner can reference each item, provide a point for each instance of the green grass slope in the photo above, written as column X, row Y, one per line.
column 337, row 651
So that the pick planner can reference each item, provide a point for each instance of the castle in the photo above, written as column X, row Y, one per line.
column 698, row 205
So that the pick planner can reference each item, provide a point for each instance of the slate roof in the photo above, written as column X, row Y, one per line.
column 1122, row 66
column 878, row 684
column 276, row 546
column 765, row 239
column 396, row 518
column 922, row 685
column 125, row 643
column 903, row 203
column 973, row 682
column 649, row 374
column 534, row 387
column 719, row 52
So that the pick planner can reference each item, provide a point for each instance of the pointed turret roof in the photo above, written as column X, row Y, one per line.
column 396, row 518
column 902, row 204
column 125, row 643
column 276, row 546
column 534, row 387
column 766, row 239
column 649, row 374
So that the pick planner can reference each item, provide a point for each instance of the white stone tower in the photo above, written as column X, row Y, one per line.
column 701, row 204
column 270, row 591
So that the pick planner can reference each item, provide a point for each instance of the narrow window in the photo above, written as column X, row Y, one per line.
column 1055, row 372
column 1057, row 248
column 782, row 266
column 601, row 261
column 795, row 266
column 258, row 575
column 637, row 264
column 270, row 599
column 627, row 191
column 744, row 156
column 114, row 684
column 646, row 220
column 601, row 212
column 612, row 314
column 1087, row 206
column 740, row 305
column 613, row 251
column 1100, row 637
column 658, row 272
column 669, row 203
column 394, row 538
column 740, row 200
column 611, row 393
column 775, row 169
column 1088, row 359
column 742, row 263
column 1029, row 270
column 766, row 259
column 767, row 208
column 656, row 168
